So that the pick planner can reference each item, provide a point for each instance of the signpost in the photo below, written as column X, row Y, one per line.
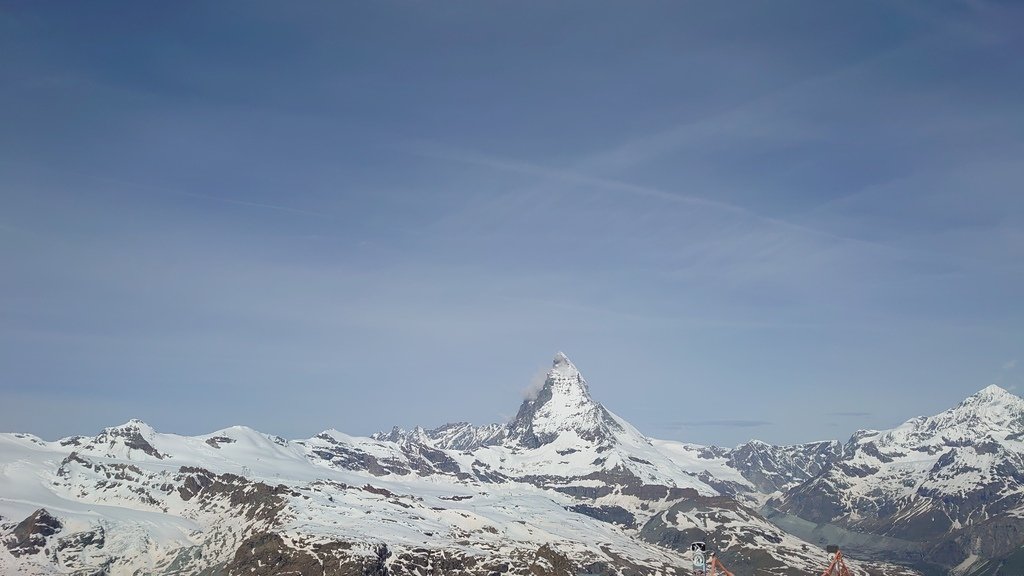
column 700, row 563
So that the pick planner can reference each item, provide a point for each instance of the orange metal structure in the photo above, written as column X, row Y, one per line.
column 836, row 567
column 714, row 565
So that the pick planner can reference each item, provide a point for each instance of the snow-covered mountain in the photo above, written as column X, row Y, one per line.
column 755, row 471
column 946, row 490
column 567, row 487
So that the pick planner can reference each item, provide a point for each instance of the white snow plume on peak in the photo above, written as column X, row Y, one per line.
column 564, row 390
column 563, row 404
column 565, row 378
column 562, row 370
column 536, row 384
column 562, row 363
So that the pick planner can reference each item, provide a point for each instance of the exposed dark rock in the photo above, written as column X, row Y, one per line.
column 80, row 540
column 426, row 460
column 871, row 449
column 484, row 473
column 611, row 514
column 266, row 554
column 857, row 471
column 63, row 470
column 81, row 553
column 351, row 458
column 550, row 562
column 216, row 441
column 585, row 492
column 816, row 501
column 131, row 436
column 997, row 538
column 723, row 486
column 379, row 491
column 773, row 468
column 256, row 500
column 29, row 536
column 658, row 492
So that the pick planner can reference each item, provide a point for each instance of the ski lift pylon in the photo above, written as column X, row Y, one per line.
column 836, row 565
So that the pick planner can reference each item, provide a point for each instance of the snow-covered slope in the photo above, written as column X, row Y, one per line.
column 566, row 487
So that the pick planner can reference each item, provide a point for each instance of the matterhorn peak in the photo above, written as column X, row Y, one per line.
column 562, row 362
column 565, row 377
column 562, row 404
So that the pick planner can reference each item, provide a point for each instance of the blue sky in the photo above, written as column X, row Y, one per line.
column 774, row 220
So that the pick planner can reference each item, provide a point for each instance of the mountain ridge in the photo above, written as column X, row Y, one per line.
column 936, row 482
column 565, row 486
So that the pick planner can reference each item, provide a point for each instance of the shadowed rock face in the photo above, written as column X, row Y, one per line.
column 216, row 441
column 268, row 554
column 131, row 435
column 773, row 468
column 255, row 500
column 29, row 536
column 413, row 456
column 611, row 514
column 79, row 541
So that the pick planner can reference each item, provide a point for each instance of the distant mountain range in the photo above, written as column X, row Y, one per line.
column 939, row 492
column 565, row 488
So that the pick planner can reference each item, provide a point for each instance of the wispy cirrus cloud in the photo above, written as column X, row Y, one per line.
column 727, row 423
column 575, row 176
column 252, row 204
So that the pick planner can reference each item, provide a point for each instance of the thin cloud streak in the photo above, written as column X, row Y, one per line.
column 254, row 204
column 520, row 167
column 727, row 423
column 509, row 165
column 639, row 150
